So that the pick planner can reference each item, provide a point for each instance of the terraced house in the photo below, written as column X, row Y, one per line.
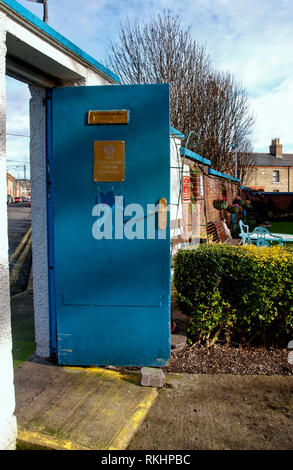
column 272, row 171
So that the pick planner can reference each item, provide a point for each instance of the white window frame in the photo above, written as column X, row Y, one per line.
column 276, row 173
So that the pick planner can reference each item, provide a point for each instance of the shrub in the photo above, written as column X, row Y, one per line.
column 236, row 294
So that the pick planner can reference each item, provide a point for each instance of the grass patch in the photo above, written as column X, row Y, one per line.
column 281, row 227
column 22, row 351
column 22, row 326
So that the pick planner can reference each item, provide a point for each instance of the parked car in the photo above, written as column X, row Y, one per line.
column 18, row 199
column 9, row 199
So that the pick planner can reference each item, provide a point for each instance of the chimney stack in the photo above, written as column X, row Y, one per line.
column 276, row 148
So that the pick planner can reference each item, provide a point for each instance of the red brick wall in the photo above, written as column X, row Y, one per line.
column 214, row 188
column 193, row 224
column 280, row 200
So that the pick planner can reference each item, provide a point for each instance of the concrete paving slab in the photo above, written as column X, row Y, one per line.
column 78, row 408
column 219, row 412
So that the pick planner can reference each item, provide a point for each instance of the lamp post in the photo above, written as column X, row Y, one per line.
column 45, row 3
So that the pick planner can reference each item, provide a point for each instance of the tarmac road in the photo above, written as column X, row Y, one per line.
column 19, row 221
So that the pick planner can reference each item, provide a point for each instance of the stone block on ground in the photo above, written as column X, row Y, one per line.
column 152, row 377
column 290, row 345
column 290, row 358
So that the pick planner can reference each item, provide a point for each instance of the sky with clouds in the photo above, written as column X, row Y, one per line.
column 250, row 38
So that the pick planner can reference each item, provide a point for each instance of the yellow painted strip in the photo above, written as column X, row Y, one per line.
column 17, row 267
column 114, row 374
column 122, row 439
column 40, row 440
column 20, row 245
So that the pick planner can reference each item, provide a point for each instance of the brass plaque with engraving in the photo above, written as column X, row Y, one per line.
column 108, row 117
column 109, row 161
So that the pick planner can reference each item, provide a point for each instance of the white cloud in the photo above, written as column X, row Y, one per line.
column 275, row 117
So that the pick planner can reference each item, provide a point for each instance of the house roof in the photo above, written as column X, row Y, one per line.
column 266, row 159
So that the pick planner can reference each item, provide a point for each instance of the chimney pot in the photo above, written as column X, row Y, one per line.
column 276, row 148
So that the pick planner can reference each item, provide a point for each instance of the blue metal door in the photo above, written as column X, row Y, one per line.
column 109, row 294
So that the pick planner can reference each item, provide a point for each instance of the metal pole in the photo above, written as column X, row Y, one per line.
column 46, row 18
column 236, row 163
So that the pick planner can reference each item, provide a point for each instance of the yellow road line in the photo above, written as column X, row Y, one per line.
column 20, row 245
column 17, row 267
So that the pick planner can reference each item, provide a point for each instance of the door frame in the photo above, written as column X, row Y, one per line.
column 50, row 230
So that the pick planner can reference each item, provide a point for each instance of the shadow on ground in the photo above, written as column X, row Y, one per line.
column 22, row 323
column 207, row 412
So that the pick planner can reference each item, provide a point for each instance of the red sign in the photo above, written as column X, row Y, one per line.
column 186, row 188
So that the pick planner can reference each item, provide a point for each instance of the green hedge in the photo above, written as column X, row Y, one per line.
column 236, row 294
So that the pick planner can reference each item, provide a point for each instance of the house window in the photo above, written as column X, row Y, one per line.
column 276, row 176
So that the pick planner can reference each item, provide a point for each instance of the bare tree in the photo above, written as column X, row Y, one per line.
column 202, row 99
column 223, row 121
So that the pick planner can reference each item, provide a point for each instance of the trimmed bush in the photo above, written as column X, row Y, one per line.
column 236, row 294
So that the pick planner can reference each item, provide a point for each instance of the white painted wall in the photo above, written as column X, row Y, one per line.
column 175, row 208
column 39, row 219
column 7, row 400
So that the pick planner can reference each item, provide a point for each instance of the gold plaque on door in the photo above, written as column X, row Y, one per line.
column 108, row 117
column 109, row 161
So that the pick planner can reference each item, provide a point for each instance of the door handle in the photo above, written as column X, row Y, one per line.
column 162, row 214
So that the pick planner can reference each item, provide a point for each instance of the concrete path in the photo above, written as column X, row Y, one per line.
column 76, row 408
column 219, row 412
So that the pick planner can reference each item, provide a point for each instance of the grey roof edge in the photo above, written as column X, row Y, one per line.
column 266, row 159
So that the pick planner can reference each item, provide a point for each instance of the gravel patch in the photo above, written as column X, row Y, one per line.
column 220, row 359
